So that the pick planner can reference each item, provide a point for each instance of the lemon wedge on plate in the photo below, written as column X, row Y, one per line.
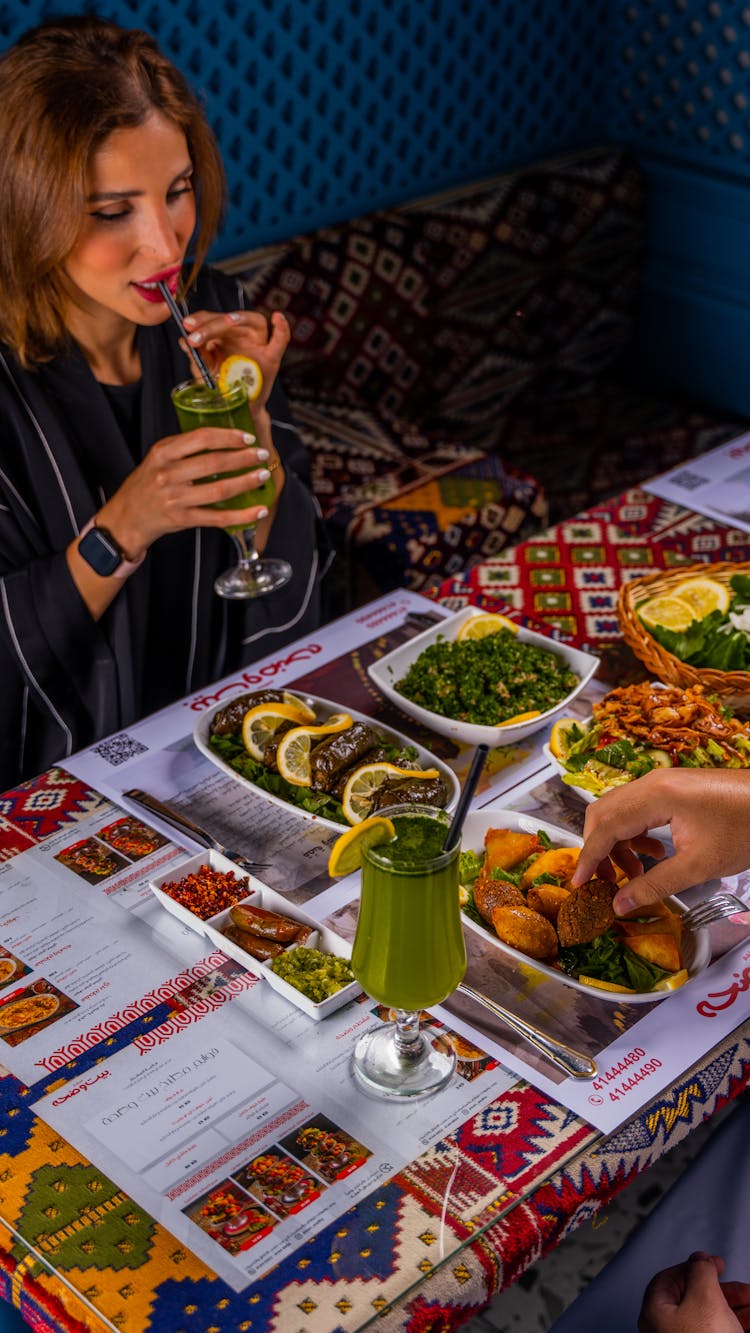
column 704, row 595
column 260, row 724
column 346, row 853
column 243, row 370
column 674, row 982
column 520, row 717
column 667, row 611
column 558, row 740
column 293, row 754
column 364, row 782
column 478, row 627
column 596, row 984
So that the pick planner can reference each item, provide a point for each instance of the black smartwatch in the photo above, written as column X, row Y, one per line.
column 99, row 549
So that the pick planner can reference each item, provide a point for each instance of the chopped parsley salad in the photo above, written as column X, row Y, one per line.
column 488, row 680
column 641, row 727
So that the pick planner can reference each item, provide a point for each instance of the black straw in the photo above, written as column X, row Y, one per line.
column 466, row 797
column 177, row 317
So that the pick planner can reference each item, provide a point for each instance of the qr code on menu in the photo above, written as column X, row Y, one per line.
column 688, row 481
column 118, row 749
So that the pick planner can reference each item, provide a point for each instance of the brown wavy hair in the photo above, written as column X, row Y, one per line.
column 64, row 87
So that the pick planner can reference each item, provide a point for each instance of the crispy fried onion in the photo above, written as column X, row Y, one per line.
column 668, row 718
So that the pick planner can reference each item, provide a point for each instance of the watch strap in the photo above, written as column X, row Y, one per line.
column 126, row 567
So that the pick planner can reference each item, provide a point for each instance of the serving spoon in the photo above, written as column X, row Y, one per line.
column 572, row 1062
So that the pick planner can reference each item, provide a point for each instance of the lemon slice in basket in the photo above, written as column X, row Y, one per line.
column 346, row 853
column 293, row 754
column 704, row 595
column 667, row 611
column 478, row 627
column 243, row 370
column 364, row 782
column 260, row 724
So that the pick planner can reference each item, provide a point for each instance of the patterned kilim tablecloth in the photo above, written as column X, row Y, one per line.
column 77, row 1254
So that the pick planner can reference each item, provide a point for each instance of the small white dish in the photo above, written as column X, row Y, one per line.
column 189, row 867
column 697, row 944
column 272, row 902
column 324, row 708
column 329, row 942
column 393, row 667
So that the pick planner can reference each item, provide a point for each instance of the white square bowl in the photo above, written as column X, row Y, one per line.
column 389, row 669
column 188, row 867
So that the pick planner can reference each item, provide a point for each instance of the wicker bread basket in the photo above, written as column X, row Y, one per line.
column 732, row 687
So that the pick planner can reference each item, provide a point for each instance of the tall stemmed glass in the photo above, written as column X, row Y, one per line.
column 200, row 404
column 408, row 952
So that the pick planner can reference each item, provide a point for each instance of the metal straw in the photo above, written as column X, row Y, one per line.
column 177, row 317
column 466, row 797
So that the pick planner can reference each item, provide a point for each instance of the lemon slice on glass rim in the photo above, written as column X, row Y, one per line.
column 346, row 853
column 260, row 724
column 365, row 781
column 243, row 370
column 478, row 627
column 293, row 754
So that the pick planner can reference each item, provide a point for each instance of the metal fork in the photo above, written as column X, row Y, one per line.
column 572, row 1062
column 722, row 906
column 194, row 831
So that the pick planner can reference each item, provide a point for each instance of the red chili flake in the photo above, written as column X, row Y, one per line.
column 207, row 891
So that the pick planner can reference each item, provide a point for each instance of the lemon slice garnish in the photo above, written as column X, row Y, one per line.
column 596, row 984
column 558, row 742
column 674, row 982
column 478, row 627
column 293, row 754
column 703, row 595
column 520, row 717
column 260, row 724
column 346, row 853
column 359, row 790
column 242, row 370
column 667, row 611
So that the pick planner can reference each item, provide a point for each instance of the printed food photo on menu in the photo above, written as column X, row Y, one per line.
column 11, row 968
column 278, row 1182
column 231, row 1217
column 26, row 1012
column 326, row 1149
column 132, row 838
column 91, row 860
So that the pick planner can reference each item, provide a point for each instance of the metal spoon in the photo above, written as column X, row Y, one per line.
column 572, row 1062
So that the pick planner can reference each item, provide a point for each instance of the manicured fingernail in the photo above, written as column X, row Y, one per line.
column 234, row 317
column 249, row 439
column 195, row 338
column 261, row 455
column 263, row 475
column 188, row 321
column 624, row 904
column 262, row 513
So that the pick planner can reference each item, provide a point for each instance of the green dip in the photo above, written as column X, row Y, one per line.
column 317, row 975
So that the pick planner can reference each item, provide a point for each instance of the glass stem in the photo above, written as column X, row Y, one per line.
column 407, row 1035
column 244, row 541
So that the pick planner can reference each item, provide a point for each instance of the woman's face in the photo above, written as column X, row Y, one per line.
column 139, row 217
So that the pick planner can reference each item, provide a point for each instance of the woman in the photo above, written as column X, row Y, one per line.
column 108, row 547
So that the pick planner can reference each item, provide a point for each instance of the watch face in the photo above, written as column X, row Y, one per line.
column 101, row 551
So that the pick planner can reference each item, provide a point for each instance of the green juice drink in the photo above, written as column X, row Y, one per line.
column 196, row 404
column 409, row 949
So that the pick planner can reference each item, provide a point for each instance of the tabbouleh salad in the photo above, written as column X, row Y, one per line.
column 486, row 681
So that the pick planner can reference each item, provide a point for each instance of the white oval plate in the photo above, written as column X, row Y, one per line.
column 324, row 708
column 697, row 945
column 391, row 668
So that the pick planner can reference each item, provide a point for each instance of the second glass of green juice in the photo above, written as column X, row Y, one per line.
column 198, row 404
column 409, row 951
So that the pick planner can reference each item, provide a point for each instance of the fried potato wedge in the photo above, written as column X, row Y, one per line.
column 506, row 848
column 557, row 861
column 659, row 949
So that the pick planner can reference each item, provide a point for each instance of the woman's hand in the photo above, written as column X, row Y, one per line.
column 217, row 335
column 690, row 1299
column 709, row 814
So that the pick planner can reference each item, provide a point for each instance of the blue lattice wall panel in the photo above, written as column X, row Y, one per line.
column 681, row 81
column 326, row 109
